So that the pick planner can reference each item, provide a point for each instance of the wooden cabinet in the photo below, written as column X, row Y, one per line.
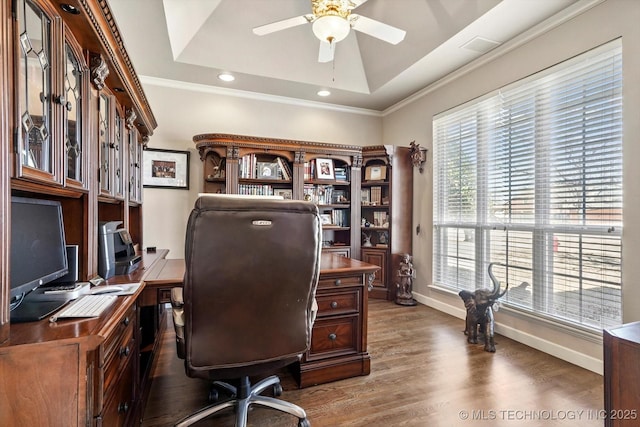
column 81, row 372
column 622, row 375
column 237, row 164
column 387, row 206
column 47, row 101
column 75, row 106
column 377, row 256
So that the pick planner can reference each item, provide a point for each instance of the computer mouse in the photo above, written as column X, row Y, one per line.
column 106, row 289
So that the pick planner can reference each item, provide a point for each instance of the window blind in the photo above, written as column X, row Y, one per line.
column 530, row 178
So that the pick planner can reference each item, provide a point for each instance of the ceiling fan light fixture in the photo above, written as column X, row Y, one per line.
column 331, row 28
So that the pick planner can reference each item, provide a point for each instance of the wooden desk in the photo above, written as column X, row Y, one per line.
column 339, row 340
column 80, row 372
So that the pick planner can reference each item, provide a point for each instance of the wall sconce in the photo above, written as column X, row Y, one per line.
column 418, row 155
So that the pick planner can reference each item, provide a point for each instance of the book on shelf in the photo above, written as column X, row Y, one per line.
column 341, row 173
column 380, row 219
column 284, row 168
column 255, row 189
column 376, row 195
column 340, row 218
column 318, row 194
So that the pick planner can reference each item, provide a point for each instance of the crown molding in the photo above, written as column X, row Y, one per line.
column 215, row 90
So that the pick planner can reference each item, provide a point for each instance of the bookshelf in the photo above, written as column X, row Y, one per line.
column 386, row 201
column 325, row 174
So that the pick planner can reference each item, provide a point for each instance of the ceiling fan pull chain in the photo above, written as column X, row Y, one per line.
column 333, row 66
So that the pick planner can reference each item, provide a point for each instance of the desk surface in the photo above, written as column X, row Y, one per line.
column 166, row 271
column 43, row 330
column 171, row 271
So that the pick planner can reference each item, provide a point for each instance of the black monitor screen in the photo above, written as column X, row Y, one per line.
column 38, row 251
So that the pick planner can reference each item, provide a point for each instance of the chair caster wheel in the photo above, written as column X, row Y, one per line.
column 277, row 390
column 304, row 423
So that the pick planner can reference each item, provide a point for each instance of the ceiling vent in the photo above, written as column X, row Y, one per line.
column 480, row 44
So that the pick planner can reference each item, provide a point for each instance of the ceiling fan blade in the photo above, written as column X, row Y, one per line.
column 282, row 25
column 326, row 51
column 355, row 3
column 377, row 29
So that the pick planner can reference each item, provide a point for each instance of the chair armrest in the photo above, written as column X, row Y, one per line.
column 177, row 311
column 314, row 311
column 177, row 301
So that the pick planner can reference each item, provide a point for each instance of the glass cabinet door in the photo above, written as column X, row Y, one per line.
column 118, row 155
column 34, row 95
column 104, row 139
column 74, row 80
column 135, row 190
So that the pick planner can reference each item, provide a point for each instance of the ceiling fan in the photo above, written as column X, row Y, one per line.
column 332, row 20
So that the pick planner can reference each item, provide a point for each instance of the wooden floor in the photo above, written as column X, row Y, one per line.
column 423, row 373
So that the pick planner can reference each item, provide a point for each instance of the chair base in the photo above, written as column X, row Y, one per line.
column 246, row 395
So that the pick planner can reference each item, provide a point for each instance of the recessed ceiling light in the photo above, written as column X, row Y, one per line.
column 324, row 92
column 226, row 77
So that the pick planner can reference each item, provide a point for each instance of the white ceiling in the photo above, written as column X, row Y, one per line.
column 192, row 41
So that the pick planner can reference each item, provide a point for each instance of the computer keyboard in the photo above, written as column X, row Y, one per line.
column 86, row 306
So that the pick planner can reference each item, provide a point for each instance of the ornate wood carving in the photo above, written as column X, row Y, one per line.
column 233, row 152
column 99, row 70
column 357, row 161
column 130, row 118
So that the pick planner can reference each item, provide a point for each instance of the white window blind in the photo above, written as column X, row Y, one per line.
column 530, row 178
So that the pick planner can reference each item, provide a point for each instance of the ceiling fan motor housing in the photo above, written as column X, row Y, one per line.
column 331, row 23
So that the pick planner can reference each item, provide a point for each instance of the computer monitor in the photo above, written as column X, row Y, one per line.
column 38, row 251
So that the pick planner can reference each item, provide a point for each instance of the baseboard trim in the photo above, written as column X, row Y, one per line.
column 569, row 355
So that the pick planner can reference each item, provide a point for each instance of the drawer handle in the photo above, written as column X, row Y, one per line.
column 125, row 351
column 333, row 337
column 334, row 304
column 126, row 321
column 123, row 407
column 338, row 282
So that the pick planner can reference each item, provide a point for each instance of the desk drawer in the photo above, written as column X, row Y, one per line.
column 164, row 295
column 118, row 362
column 338, row 335
column 337, row 282
column 342, row 302
column 120, row 402
column 113, row 341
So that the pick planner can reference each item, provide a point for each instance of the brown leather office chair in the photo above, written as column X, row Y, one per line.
column 252, row 269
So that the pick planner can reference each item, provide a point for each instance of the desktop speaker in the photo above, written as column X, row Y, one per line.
column 72, row 261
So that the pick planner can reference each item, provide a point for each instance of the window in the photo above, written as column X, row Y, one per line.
column 530, row 178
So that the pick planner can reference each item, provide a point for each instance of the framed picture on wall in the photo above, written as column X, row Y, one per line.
column 165, row 169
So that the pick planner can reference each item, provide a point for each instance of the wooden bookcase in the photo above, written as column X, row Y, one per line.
column 386, row 209
column 238, row 164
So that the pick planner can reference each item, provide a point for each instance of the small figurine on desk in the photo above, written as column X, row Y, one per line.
column 406, row 274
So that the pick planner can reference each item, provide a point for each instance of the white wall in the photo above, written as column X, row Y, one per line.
column 183, row 111
column 605, row 22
